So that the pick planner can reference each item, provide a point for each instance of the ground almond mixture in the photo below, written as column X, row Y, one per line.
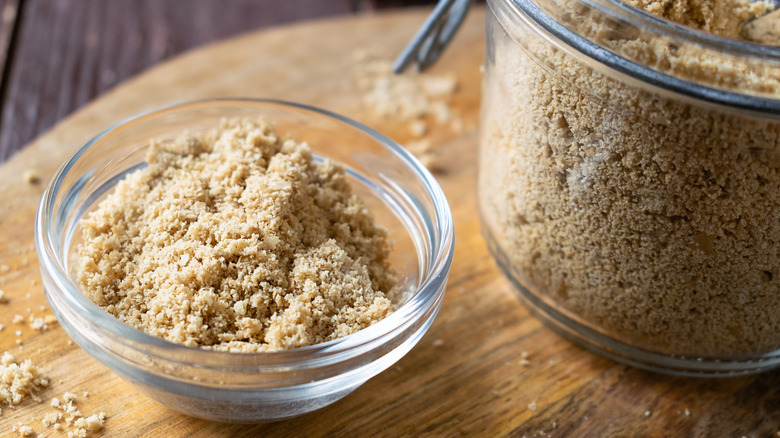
column 237, row 240
column 649, row 218
column 17, row 380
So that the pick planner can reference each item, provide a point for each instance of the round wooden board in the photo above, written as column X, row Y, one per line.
column 465, row 377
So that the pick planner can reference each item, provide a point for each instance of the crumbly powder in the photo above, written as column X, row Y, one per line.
column 719, row 17
column 650, row 218
column 237, row 240
column 18, row 380
column 421, row 101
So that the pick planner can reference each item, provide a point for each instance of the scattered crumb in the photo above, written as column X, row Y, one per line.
column 18, row 380
column 524, row 362
column 687, row 412
column 533, row 406
column 419, row 100
column 51, row 418
column 647, row 413
column 82, row 426
column 18, row 333
column 2, row 297
column 30, row 176
column 41, row 323
column 438, row 343
column 18, row 319
column 418, row 128
column 5, row 268
column 25, row 430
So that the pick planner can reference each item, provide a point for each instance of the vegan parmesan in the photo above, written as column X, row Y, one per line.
column 237, row 240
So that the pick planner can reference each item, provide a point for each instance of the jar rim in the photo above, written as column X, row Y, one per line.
column 538, row 13
column 425, row 296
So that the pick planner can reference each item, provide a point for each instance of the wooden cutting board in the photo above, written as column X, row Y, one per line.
column 465, row 377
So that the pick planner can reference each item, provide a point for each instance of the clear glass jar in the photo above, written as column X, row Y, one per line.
column 629, row 182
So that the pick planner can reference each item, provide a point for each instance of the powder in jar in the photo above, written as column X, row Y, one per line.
column 237, row 240
column 646, row 217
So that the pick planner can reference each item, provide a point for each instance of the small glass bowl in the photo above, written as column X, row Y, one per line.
column 251, row 387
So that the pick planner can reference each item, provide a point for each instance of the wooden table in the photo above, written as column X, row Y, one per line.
column 55, row 56
column 466, row 377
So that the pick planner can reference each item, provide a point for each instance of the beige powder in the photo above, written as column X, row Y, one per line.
column 418, row 101
column 649, row 218
column 237, row 240
column 719, row 17
column 17, row 380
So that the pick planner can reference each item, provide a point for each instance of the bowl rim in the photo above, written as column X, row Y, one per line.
column 424, row 297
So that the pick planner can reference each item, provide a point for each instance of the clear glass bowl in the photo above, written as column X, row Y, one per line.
column 629, row 182
column 252, row 387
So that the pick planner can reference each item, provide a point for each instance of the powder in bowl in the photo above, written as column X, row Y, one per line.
column 237, row 240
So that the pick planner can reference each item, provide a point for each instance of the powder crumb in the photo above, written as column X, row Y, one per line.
column 648, row 413
column 18, row 380
column 51, row 418
column 3, row 300
column 438, row 343
column 1, row 327
column 237, row 240
column 420, row 100
column 687, row 412
column 25, row 430
column 18, row 319
column 18, row 333
column 37, row 323
column 533, row 406
column 418, row 128
column 30, row 176
column 524, row 362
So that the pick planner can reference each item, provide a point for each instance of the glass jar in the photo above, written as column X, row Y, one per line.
column 629, row 182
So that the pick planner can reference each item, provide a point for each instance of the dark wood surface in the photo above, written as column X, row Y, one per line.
column 57, row 55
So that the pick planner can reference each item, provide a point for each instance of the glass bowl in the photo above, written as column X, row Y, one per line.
column 251, row 387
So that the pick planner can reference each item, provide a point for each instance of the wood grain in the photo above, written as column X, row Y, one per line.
column 70, row 51
column 465, row 377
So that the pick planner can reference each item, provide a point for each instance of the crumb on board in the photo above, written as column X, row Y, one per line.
column 18, row 319
column 533, row 406
column 72, row 417
column 422, row 101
